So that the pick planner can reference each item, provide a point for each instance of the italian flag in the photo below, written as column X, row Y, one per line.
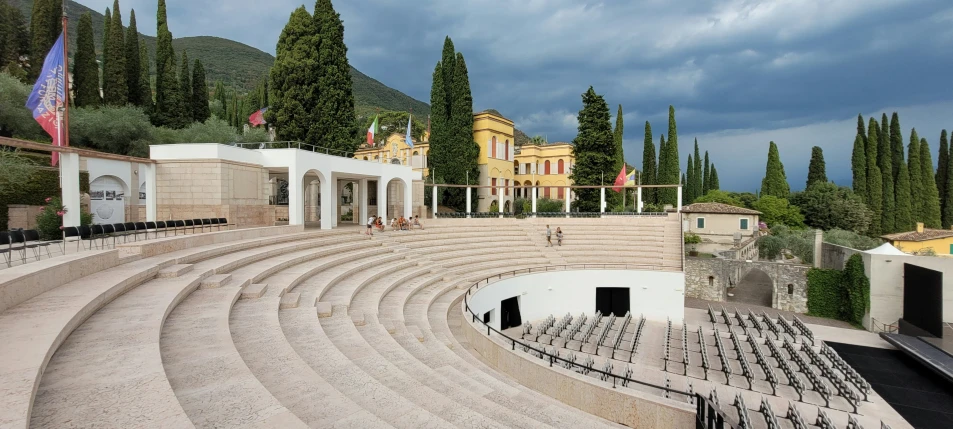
column 371, row 131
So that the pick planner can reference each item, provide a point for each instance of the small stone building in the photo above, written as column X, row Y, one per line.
column 723, row 228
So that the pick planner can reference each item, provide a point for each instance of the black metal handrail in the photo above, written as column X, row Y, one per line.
column 553, row 358
column 709, row 415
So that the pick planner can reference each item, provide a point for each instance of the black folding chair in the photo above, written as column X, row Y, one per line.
column 131, row 230
column 70, row 232
column 109, row 231
column 208, row 223
column 151, row 226
column 97, row 233
column 120, row 231
column 18, row 243
column 189, row 223
column 86, row 233
column 7, row 248
column 197, row 223
column 179, row 225
column 161, row 225
column 141, row 226
column 224, row 221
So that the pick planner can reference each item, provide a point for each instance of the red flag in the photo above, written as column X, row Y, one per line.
column 258, row 118
column 620, row 180
column 49, row 95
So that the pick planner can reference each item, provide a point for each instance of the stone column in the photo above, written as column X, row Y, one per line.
column 678, row 207
column 314, row 189
column 295, row 196
column 818, row 247
column 69, row 182
column 467, row 209
column 327, row 202
column 535, row 192
column 382, row 200
column 362, row 204
column 408, row 199
column 638, row 200
column 433, row 201
column 149, row 174
column 500, row 193
column 567, row 195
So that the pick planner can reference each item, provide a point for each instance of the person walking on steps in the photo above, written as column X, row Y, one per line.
column 370, row 225
column 559, row 236
column 549, row 237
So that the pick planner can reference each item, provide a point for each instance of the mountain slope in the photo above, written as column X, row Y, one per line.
column 237, row 64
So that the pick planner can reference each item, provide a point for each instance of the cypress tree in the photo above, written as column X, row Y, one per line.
column 698, row 180
column 774, row 182
column 167, row 88
column 714, row 178
column 659, row 174
column 145, row 86
column 85, row 69
column 45, row 28
column 593, row 149
column 116, row 92
column 896, row 145
column 916, row 179
column 619, row 135
column 931, row 198
column 648, row 165
column 862, row 130
column 133, row 64
column 903, row 219
column 293, row 79
column 14, row 34
column 200, row 109
column 858, row 166
column 185, row 92
column 874, row 180
column 885, row 155
column 816, row 170
column 439, row 117
column 107, row 24
column 669, row 173
column 334, row 118
column 706, row 176
column 943, row 158
column 448, row 59
column 947, row 213
column 688, row 192
column 466, row 152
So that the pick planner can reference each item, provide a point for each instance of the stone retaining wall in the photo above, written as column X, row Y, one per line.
column 708, row 278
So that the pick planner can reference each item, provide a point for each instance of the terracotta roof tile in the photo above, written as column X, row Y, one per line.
column 927, row 234
column 718, row 208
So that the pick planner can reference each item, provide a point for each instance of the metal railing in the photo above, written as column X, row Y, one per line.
column 616, row 379
column 295, row 145
column 709, row 415
column 878, row 326
column 479, row 215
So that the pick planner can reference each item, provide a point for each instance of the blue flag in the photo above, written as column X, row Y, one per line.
column 407, row 138
column 49, row 94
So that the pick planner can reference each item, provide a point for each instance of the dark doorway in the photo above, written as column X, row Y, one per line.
column 486, row 317
column 755, row 288
column 510, row 313
column 612, row 300
column 922, row 398
column 922, row 300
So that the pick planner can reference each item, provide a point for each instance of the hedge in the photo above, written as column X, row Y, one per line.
column 43, row 183
column 825, row 295
column 858, row 289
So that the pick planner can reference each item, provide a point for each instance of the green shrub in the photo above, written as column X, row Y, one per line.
column 549, row 205
column 15, row 120
column 42, row 183
column 858, row 289
column 851, row 239
column 49, row 222
column 825, row 295
column 111, row 129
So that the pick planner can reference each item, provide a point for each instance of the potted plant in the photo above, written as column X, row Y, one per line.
column 692, row 240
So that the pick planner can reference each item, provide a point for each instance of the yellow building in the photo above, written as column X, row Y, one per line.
column 546, row 166
column 394, row 150
column 940, row 241
column 494, row 134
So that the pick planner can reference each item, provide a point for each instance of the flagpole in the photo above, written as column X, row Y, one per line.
column 65, row 140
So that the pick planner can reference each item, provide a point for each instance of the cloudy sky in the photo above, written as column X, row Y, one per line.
column 739, row 72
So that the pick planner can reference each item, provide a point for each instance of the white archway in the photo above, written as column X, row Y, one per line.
column 108, row 196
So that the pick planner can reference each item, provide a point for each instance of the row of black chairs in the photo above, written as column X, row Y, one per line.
column 20, row 241
column 97, row 235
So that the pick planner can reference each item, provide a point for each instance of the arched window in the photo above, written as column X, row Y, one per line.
column 711, row 281
column 415, row 153
column 493, row 184
column 790, row 289
column 562, row 191
column 546, row 169
column 365, row 158
column 560, row 167
column 493, row 147
column 506, row 150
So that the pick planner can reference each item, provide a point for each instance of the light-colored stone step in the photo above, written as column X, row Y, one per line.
column 415, row 331
column 389, row 326
column 289, row 300
column 215, row 281
column 174, row 270
column 357, row 317
column 324, row 309
column 254, row 291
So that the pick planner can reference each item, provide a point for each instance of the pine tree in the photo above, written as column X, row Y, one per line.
column 669, row 173
column 334, row 119
column 107, row 24
column 774, row 182
column 85, row 69
column 714, row 178
column 706, row 175
column 593, row 149
column 45, row 28
column 942, row 159
column 185, row 92
column 916, row 179
column 145, row 86
column 200, row 109
column 133, row 64
column 816, row 170
column 293, row 78
column 931, row 198
column 167, row 88
column 874, row 180
column 688, row 192
column 858, row 166
column 697, row 179
column 649, row 166
column 114, row 70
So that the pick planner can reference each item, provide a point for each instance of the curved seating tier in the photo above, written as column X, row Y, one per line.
column 307, row 329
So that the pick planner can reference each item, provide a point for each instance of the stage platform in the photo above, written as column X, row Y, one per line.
column 934, row 353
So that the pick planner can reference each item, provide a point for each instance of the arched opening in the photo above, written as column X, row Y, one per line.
column 397, row 199
column 493, row 147
column 560, row 166
column 711, row 281
column 365, row 158
column 790, row 289
column 755, row 288
column 506, row 207
column 107, row 195
column 311, row 192
column 546, row 167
